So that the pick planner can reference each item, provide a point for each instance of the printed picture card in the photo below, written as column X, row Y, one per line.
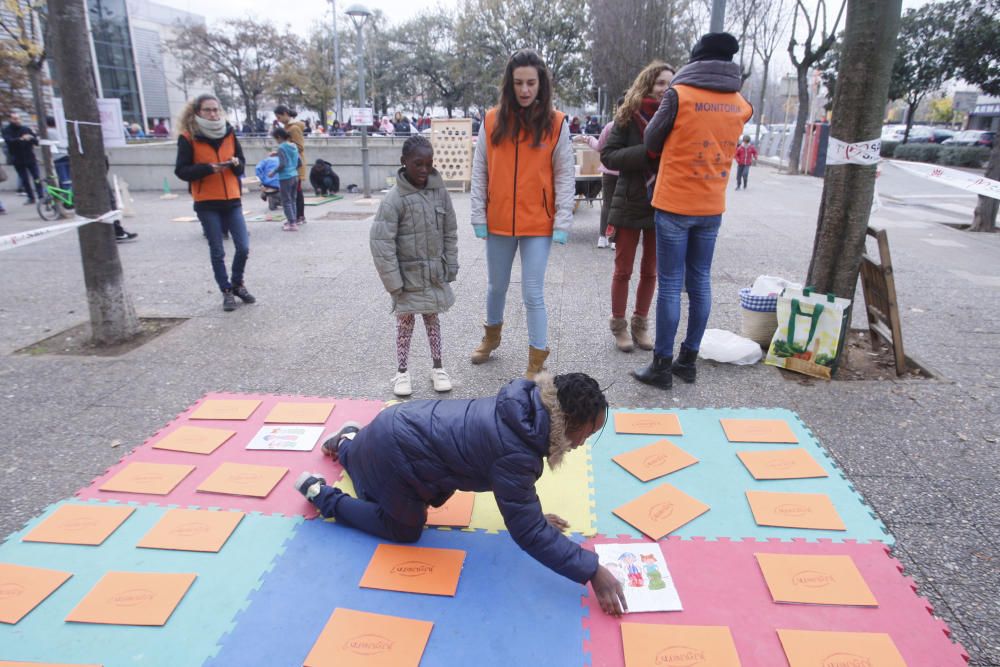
column 643, row 574
column 833, row 580
column 156, row 479
column 23, row 588
column 758, row 430
column 290, row 438
column 194, row 439
column 647, row 423
column 656, row 460
column 396, row 567
column 794, row 510
column 648, row 645
column 660, row 511
column 360, row 639
column 226, row 408
column 243, row 479
column 806, row 648
column 80, row 524
column 192, row 530
column 457, row 512
column 300, row 413
column 795, row 463
column 133, row 598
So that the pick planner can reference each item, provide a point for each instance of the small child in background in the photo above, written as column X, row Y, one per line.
column 288, row 176
column 746, row 155
column 414, row 242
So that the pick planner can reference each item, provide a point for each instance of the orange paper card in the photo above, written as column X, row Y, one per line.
column 191, row 530
column 195, row 439
column 805, row 648
column 23, row 588
column 815, row 580
column 794, row 510
column 241, row 479
column 300, row 413
column 18, row 663
column 660, row 458
column 396, row 567
column 795, row 463
column 662, row 510
column 132, row 598
column 359, row 639
column 227, row 408
column 154, row 478
column 758, row 430
column 80, row 524
column 647, row 644
column 647, row 423
column 456, row 512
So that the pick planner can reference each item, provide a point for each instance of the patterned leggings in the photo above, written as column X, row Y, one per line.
column 404, row 334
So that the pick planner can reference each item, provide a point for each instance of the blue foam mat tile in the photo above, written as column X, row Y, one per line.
column 508, row 609
column 225, row 580
column 720, row 480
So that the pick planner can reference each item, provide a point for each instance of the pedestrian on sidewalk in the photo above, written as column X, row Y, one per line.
column 746, row 155
column 523, row 180
column 21, row 141
column 608, row 178
column 414, row 242
column 210, row 159
column 695, row 132
column 296, row 130
column 287, row 172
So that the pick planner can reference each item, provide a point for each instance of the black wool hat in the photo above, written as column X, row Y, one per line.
column 715, row 46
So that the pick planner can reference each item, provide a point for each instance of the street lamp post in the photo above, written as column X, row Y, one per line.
column 336, row 62
column 359, row 15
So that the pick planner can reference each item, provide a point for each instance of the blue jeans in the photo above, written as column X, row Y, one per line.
column 684, row 248
column 288, row 187
column 213, row 222
column 534, row 258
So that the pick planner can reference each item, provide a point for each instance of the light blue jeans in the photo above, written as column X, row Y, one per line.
column 534, row 258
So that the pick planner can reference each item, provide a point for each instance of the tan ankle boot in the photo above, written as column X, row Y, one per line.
column 536, row 361
column 490, row 342
column 640, row 333
column 619, row 328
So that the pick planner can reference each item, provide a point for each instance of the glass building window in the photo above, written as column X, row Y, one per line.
column 113, row 49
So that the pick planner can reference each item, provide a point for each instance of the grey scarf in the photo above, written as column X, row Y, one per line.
column 211, row 129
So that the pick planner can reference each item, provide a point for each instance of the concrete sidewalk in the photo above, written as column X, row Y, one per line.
column 923, row 453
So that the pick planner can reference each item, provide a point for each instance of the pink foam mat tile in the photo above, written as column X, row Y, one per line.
column 720, row 583
column 283, row 499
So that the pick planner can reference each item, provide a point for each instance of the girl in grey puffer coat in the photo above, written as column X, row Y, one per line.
column 414, row 242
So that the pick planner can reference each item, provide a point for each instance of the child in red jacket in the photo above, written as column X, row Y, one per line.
column 746, row 155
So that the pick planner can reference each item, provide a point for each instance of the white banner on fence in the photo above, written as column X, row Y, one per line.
column 862, row 152
column 31, row 236
column 979, row 185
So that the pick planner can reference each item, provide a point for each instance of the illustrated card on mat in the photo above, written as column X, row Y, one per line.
column 805, row 648
column 649, row 644
column 643, row 573
column 23, row 588
column 795, row 463
column 396, row 567
column 821, row 579
column 660, row 511
column 794, row 510
column 457, row 512
column 242, row 479
column 287, row 412
column 80, row 524
column 656, row 460
column 133, row 598
column 156, row 479
column 758, row 430
column 194, row 439
column 226, row 408
column 191, row 530
column 360, row 639
column 290, row 438
column 647, row 423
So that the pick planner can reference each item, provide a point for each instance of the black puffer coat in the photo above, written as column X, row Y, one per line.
column 625, row 153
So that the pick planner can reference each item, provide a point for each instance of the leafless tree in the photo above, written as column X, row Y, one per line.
column 770, row 24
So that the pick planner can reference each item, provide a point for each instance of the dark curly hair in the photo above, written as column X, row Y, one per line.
column 580, row 398
column 415, row 142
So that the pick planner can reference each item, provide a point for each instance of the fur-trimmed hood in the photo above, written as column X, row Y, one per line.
column 559, row 443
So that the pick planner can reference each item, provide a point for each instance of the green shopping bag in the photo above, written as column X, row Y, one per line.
column 810, row 334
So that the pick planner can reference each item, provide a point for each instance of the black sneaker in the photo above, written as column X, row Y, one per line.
column 243, row 294
column 228, row 301
column 125, row 237
column 332, row 444
column 309, row 484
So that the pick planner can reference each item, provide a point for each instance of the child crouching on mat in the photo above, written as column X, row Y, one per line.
column 417, row 454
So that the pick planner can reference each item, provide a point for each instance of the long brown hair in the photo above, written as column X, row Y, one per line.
column 185, row 122
column 537, row 118
column 641, row 87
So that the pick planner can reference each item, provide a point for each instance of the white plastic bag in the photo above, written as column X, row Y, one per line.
column 771, row 286
column 727, row 347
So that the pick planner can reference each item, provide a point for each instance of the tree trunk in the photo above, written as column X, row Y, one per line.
column 800, row 121
column 38, row 98
column 763, row 97
column 112, row 316
column 858, row 103
column 911, row 108
column 985, row 217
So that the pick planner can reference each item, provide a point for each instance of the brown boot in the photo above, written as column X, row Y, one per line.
column 619, row 329
column 490, row 342
column 536, row 361
column 640, row 333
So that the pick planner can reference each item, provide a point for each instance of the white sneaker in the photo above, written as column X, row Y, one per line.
column 401, row 385
column 612, row 245
column 439, row 377
column 602, row 241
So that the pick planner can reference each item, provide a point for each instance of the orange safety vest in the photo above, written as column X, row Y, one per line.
column 215, row 187
column 698, row 153
column 520, row 189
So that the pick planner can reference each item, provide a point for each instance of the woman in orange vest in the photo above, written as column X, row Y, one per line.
column 210, row 159
column 523, row 179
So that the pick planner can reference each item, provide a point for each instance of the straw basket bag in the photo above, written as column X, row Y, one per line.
column 758, row 317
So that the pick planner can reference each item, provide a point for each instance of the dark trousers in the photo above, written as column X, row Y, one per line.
column 213, row 223
column 608, row 183
column 29, row 175
column 300, row 204
column 742, row 171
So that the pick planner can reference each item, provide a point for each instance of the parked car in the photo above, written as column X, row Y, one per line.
column 973, row 138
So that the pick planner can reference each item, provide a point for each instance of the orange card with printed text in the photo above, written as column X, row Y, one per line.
column 795, row 463
column 396, row 567
column 664, row 509
column 157, row 479
column 360, row 639
column 195, row 439
column 758, row 430
column 192, row 530
column 242, row 479
column 815, row 580
column 80, row 524
column 648, row 644
column 19, row 663
column 794, row 510
column 456, row 512
column 648, row 423
column 806, row 648
column 132, row 598
column 226, row 408
column 656, row 460
column 300, row 413
column 23, row 588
